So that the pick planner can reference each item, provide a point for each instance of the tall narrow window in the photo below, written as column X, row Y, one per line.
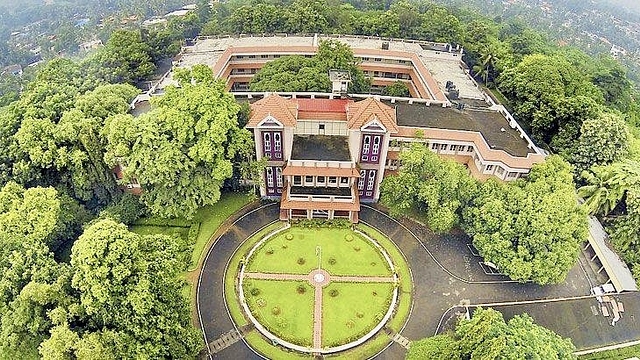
column 269, row 177
column 371, row 180
column 277, row 145
column 279, row 177
column 366, row 144
column 363, row 174
column 267, row 142
column 376, row 145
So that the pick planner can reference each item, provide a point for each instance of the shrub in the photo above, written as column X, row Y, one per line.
column 301, row 289
column 276, row 310
column 301, row 261
column 348, row 237
column 284, row 246
column 289, row 237
column 255, row 291
column 359, row 315
column 126, row 210
column 333, row 292
column 356, row 248
column 332, row 261
column 269, row 251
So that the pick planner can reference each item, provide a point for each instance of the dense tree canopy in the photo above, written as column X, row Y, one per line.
column 428, row 185
column 130, row 293
column 32, row 221
column 487, row 336
column 530, row 229
column 297, row 73
column 181, row 151
column 125, row 58
column 602, row 140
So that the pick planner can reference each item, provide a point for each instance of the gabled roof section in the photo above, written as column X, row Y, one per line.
column 282, row 109
column 366, row 111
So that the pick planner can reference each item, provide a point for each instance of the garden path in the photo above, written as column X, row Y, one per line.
column 318, row 278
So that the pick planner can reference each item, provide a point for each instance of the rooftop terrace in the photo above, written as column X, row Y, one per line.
column 320, row 147
column 491, row 124
column 328, row 191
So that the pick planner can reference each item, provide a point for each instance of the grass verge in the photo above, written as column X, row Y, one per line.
column 282, row 309
column 616, row 354
column 343, row 252
column 404, row 275
column 351, row 310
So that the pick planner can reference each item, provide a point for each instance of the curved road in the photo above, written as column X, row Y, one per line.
column 444, row 274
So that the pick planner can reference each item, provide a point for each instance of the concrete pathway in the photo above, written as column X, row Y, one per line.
column 318, row 278
column 224, row 341
column 317, row 317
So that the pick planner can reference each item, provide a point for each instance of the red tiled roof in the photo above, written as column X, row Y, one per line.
column 323, row 105
column 283, row 110
column 362, row 112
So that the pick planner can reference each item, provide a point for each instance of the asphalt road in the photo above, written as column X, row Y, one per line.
column 445, row 274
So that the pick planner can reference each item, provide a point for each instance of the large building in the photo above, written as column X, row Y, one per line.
column 327, row 152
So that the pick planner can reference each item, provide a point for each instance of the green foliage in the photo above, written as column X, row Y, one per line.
column 320, row 223
column 487, row 336
column 439, row 347
column 297, row 73
column 531, row 229
column 181, row 151
column 549, row 92
column 128, row 285
column 602, row 141
column 32, row 282
column 606, row 186
column 125, row 210
column 437, row 187
column 70, row 142
column 125, row 58
column 398, row 88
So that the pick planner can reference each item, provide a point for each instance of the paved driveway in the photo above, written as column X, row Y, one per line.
column 445, row 272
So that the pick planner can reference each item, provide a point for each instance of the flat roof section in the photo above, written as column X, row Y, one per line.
column 329, row 191
column 616, row 269
column 491, row 124
column 321, row 148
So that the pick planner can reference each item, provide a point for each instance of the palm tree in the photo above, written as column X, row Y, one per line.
column 486, row 64
column 607, row 185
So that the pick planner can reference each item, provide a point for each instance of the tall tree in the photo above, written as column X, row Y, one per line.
column 531, row 229
column 72, row 145
column 128, row 284
column 602, row 140
column 125, row 58
column 487, row 336
column 181, row 151
column 435, row 187
column 32, row 221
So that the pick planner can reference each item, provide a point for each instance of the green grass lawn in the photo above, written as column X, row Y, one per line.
column 404, row 274
column 616, row 354
column 371, row 347
column 282, row 309
column 264, row 347
column 232, row 272
column 355, row 310
column 211, row 217
column 339, row 256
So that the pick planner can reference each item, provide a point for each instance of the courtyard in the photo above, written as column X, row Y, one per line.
column 447, row 278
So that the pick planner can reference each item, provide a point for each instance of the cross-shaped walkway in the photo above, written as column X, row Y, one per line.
column 319, row 278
